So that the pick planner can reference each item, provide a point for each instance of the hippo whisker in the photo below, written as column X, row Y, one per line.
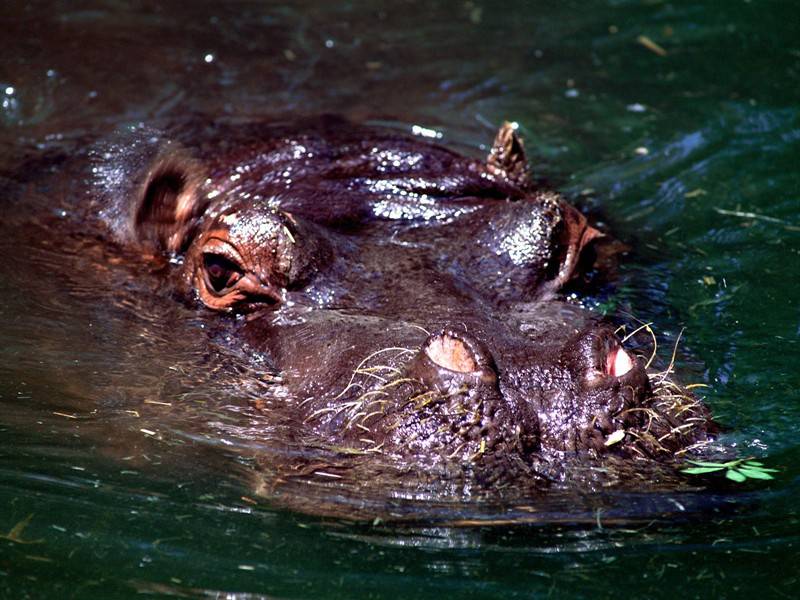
column 353, row 419
column 647, row 327
column 381, row 391
column 320, row 412
column 675, row 430
column 374, row 413
column 671, row 364
column 358, row 370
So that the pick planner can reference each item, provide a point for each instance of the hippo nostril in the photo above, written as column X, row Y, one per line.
column 453, row 359
column 618, row 362
column 451, row 353
column 598, row 358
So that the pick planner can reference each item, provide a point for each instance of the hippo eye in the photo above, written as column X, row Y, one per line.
column 221, row 273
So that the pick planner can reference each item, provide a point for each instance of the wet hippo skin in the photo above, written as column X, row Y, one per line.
column 403, row 299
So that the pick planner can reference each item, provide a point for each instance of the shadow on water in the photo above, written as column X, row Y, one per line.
column 125, row 457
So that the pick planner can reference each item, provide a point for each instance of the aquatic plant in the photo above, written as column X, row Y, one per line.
column 737, row 470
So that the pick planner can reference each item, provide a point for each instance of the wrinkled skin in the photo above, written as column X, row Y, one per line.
column 403, row 299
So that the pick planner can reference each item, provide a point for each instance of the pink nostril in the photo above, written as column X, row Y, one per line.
column 618, row 362
column 451, row 353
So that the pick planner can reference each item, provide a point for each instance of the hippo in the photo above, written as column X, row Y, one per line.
column 402, row 305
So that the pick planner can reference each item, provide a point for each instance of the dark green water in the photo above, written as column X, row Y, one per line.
column 689, row 149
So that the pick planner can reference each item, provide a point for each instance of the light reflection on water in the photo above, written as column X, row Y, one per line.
column 170, row 511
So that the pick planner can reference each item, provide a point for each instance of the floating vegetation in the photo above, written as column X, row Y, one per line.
column 720, row 297
column 651, row 45
column 751, row 216
column 738, row 470
column 15, row 534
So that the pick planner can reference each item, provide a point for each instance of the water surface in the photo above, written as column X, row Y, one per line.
column 676, row 123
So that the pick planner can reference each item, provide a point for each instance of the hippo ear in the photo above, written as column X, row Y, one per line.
column 507, row 156
column 146, row 189
column 168, row 202
column 575, row 235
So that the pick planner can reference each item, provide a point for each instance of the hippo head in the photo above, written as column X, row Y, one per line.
column 405, row 298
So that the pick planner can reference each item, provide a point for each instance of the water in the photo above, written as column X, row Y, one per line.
column 688, row 148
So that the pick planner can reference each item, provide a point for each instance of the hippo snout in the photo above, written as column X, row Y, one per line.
column 469, row 392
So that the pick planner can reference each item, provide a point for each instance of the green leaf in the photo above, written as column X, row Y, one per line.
column 735, row 475
column 754, row 463
column 754, row 473
column 701, row 463
column 701, row 470
column 758, row 467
